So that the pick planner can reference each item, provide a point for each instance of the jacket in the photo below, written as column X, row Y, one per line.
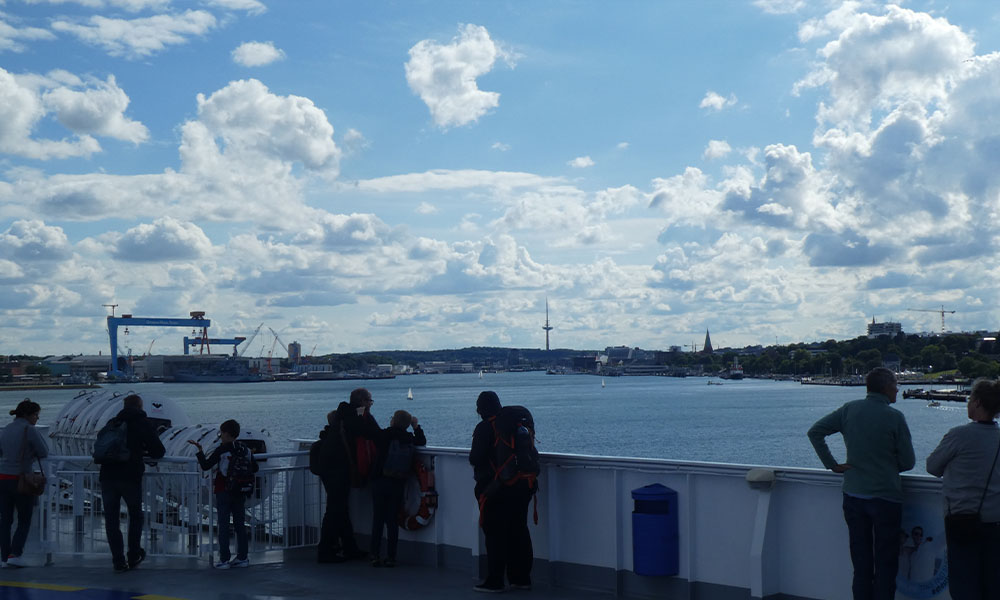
column 221, row 456
column 143, row 442
column 12, row 437
column 878, row 446
column 481, row 454
column 385, row 438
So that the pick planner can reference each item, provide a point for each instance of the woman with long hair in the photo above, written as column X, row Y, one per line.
column 967, row 460
column 20, row 446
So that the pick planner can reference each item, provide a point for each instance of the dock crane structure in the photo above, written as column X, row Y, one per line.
column 942, row 311
column 206, row 343
column 197, row 320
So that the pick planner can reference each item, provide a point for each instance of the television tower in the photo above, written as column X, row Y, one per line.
column 547, row 327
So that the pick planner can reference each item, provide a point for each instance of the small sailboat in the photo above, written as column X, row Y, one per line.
column 602, row 382
column 409, row 394
column 480, row 374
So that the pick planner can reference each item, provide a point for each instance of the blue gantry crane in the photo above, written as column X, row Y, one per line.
column 197, row 320
column 207, row 343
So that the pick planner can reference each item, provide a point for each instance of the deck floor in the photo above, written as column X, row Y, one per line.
column 274, row 576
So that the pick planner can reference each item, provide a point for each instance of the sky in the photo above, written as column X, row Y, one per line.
column 427, row 174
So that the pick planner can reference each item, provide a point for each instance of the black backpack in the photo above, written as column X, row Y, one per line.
column 515, row 457
column 399, row 459
column 240, row 475
column 111, row 445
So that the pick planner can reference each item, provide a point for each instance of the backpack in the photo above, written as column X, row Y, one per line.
column 316, row 466
column 240, row 475
column 515, row 457
column 111, row 445
column 399, row 459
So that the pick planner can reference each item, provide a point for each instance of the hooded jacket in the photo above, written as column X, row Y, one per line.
column 12, row 437
column 143, row 442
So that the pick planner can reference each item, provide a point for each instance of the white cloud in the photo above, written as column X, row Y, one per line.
column 142, row 37
column 716, row 149
column 581, row 162
column 426, row 208
column 444, row 76
column 780, row 7
column 500, row 146
column 714, row 101
column 256, row 54
column 12, row 38
column 166, row 239
column 354, row 141
column 33, row 240
column 98, row 110
column 447, row 179
column 622, row 145
column 129, row 5
column 253, row 7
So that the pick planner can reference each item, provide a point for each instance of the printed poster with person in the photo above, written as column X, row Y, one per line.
column 923, row 554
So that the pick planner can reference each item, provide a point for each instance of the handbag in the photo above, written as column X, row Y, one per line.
column 30, row 483
column 966, row 527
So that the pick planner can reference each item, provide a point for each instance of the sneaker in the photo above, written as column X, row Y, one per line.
column 134, row 562
column 3, row 565
column 121, row 567
column 489, row 589
column 16, row 561
column 239, row 563
column 222, row 564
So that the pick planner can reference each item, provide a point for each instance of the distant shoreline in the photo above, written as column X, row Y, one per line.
column 20, row 387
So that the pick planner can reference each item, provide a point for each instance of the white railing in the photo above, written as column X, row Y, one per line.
column 785, row 538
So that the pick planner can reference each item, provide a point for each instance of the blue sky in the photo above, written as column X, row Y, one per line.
column 424, row 175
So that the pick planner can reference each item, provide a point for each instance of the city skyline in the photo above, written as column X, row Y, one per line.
column 430, row 175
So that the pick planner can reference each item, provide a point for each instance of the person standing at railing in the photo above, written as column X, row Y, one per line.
column 122, row 480
column 362, row 432
column 332, row 459
column 967, row 460
column 20, row 446
column 395, row 450
column 879, row 448
column 231, row 459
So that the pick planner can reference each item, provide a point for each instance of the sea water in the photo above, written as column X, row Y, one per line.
column 751, row 421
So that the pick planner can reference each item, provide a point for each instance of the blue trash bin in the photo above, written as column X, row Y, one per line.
column 655, row 543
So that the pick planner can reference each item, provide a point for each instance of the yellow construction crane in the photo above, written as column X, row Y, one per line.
column 942, row 312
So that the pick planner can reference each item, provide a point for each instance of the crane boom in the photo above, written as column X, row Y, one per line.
column 942, row 311
column 278, row 339
column 252, row 338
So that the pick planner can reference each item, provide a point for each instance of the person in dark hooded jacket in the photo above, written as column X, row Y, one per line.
column 336, row 458
column 123, row 481
column 387, row 491
column 503, row 510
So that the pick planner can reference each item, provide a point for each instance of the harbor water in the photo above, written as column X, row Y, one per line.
column 750, row 421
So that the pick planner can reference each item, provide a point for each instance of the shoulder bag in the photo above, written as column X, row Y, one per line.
column 30, row 483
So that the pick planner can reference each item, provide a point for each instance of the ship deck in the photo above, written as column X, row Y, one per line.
column 275, row 575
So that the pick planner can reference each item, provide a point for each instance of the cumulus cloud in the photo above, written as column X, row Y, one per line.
column 165, row 239
column 141, row 37
column 716, row 102
column 98, row 110
column 448, row 179
column 444, row 75
column 253, row 7
column 716, row 149
column 256, row 54
column 426, row 208
column 33, row 240
column 12, row 38
column 354, row 141
column 581, row 162
column 21, row 109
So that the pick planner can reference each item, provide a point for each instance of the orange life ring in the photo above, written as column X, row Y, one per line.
column 428, row 497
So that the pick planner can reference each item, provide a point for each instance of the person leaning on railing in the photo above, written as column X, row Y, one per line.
column 967, row 460
column 20, row 446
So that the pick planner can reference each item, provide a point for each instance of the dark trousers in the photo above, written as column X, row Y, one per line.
column 10, row 501
column 387, row 497
column 337, row 533
column 508, row 541
column 974, row 564
column 874, row 526
column 113, row 492
column 232, row 504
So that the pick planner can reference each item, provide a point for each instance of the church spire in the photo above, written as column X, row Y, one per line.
column 707, row 348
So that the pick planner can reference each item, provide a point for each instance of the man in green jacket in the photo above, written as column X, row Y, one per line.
column 878, row 450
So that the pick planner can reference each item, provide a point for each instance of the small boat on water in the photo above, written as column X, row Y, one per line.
column 480, row 374
column 602, row 383
column 714, row 383
column 409, row 394
column 933, row 403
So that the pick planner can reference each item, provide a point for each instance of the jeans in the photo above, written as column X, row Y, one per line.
column 387, row 497
column 10, row 501
column 232, row 505
column 113, row 492
column 508, row 541
column 874, row 526
column 973, row 572
column 337, row 533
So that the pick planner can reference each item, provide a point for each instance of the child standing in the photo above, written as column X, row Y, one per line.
column 393, row 466
column 230, row 498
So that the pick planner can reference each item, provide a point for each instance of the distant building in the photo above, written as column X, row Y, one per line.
column 294, row 352
column 887, row 329
column 707, row 348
